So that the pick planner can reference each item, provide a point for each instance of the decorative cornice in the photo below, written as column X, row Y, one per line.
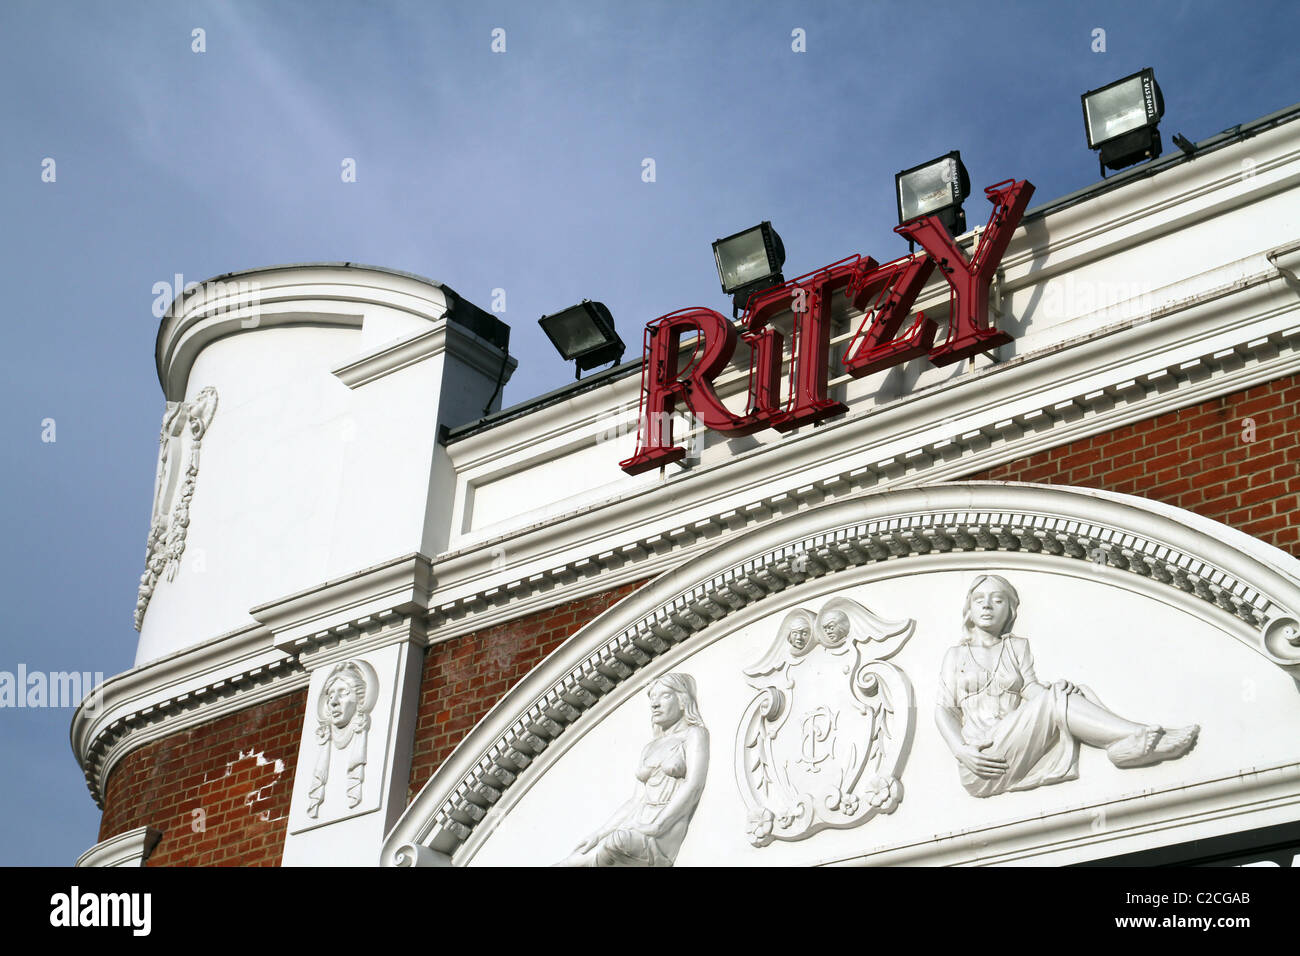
column 316, row 294
column 392, row 357
column 444, row 336
column 131, row 848
column 1241, row 593
column 1255, row 797
column 236, row 671
column 156, row 714
column 400, row 586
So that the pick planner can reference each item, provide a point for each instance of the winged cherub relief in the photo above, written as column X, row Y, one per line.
column 824, row 741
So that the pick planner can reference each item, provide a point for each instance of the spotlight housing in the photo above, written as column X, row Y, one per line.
column 936, row 187
column 1122, row 119
column 748, row 261
column 584, row 334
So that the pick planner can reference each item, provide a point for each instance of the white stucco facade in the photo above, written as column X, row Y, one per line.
column 339, row 487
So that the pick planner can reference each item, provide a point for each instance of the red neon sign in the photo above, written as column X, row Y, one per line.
column 884, row 293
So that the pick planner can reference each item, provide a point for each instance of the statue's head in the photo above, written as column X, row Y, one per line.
column 800, row 633
column 345, row 694
column 341, row 696
column 991, row 605
column 672, row 699
column 835, row 628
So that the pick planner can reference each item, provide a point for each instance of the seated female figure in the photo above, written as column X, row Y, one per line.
column 1009, row 730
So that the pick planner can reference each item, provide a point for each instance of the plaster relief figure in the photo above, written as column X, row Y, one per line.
column 649, row 829
column 824, row 742
column 343, row 708
column 1009, row 730
column 183, row 427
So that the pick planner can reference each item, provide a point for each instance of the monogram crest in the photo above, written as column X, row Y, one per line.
column 823, row 742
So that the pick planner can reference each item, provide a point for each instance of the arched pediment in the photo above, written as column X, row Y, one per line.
column 1158, row 612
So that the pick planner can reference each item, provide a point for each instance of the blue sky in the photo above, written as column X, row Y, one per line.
column 518, row 170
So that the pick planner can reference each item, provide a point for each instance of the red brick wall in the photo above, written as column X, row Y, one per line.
column 465, row 676
column 237, row 771
column 1197, row 458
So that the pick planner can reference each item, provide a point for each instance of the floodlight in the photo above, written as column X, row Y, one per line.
column 1121, row 120
column 749, row 261
column 584, row 334
column 934, row 188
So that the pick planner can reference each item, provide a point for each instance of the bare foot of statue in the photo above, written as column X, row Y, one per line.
column 1177, row 741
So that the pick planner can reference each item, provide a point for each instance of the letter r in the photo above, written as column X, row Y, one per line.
column 663, row 382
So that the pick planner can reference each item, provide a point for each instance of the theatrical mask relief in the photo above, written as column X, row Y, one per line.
column 824, row 742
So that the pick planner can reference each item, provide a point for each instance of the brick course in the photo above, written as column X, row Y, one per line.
column 227, row 770
column 466, row 676
column 1197, row 458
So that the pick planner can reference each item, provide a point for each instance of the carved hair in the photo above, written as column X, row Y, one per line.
column 1003, row 585
column 352, row 673
column 683, row 685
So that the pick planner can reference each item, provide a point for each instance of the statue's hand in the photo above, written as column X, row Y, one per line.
column 589, row 843
column 983, row 765
column 1066, row 687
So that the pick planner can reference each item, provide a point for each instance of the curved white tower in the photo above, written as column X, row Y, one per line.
column 300, row 441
